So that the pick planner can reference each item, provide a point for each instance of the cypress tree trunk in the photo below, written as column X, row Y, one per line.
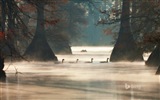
column 1, row 63
column 59, row 43
column 11, row 27
column 62, row 47
column 3, row 9
column 154, row 58
column 134, row 27
column 39, row 48
column 2, row 76
column 125, row 47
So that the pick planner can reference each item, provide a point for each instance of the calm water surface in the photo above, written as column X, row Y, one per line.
column 80, row 81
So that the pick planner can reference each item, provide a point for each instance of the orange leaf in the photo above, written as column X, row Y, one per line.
column 2, row 35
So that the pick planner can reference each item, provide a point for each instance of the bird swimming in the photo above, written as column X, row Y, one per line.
column 62, row 60
column 75, row 61
column 90, row 61
column 83, row 50
column 105, row 61
column 58, row 62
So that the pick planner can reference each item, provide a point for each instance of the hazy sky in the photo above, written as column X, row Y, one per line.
column 93, row 34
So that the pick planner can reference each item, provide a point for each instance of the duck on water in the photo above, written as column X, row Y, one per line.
column 73, row 61
column 105, row 61
column 59, row 62
column 90, row 61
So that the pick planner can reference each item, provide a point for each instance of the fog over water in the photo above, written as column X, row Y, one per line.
column 81, row 81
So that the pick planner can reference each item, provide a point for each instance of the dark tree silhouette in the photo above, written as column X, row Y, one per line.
column 39, row 48
column 125, row 47
column 68, row 30
column 154, row 36
column 1, row 63
column 154, row 58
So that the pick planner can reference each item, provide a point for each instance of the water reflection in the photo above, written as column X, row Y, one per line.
column 80, row 81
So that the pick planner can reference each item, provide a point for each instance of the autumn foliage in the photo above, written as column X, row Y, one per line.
column 2, row 35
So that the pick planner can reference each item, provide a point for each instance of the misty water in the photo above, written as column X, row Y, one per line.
column 80, row 81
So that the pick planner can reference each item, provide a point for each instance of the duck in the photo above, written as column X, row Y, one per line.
column 58, row 62
column 62, row 60
column 75, row 61
column 105, row 61
column 90, row 61
column 83, row 50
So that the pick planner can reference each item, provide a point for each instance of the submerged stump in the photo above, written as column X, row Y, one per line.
column 2, row 73
column 1, row 63
column 2, row 76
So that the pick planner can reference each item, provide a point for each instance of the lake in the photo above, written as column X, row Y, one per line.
column 80, row 81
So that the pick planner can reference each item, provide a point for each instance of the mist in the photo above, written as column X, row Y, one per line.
column 74, row 81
